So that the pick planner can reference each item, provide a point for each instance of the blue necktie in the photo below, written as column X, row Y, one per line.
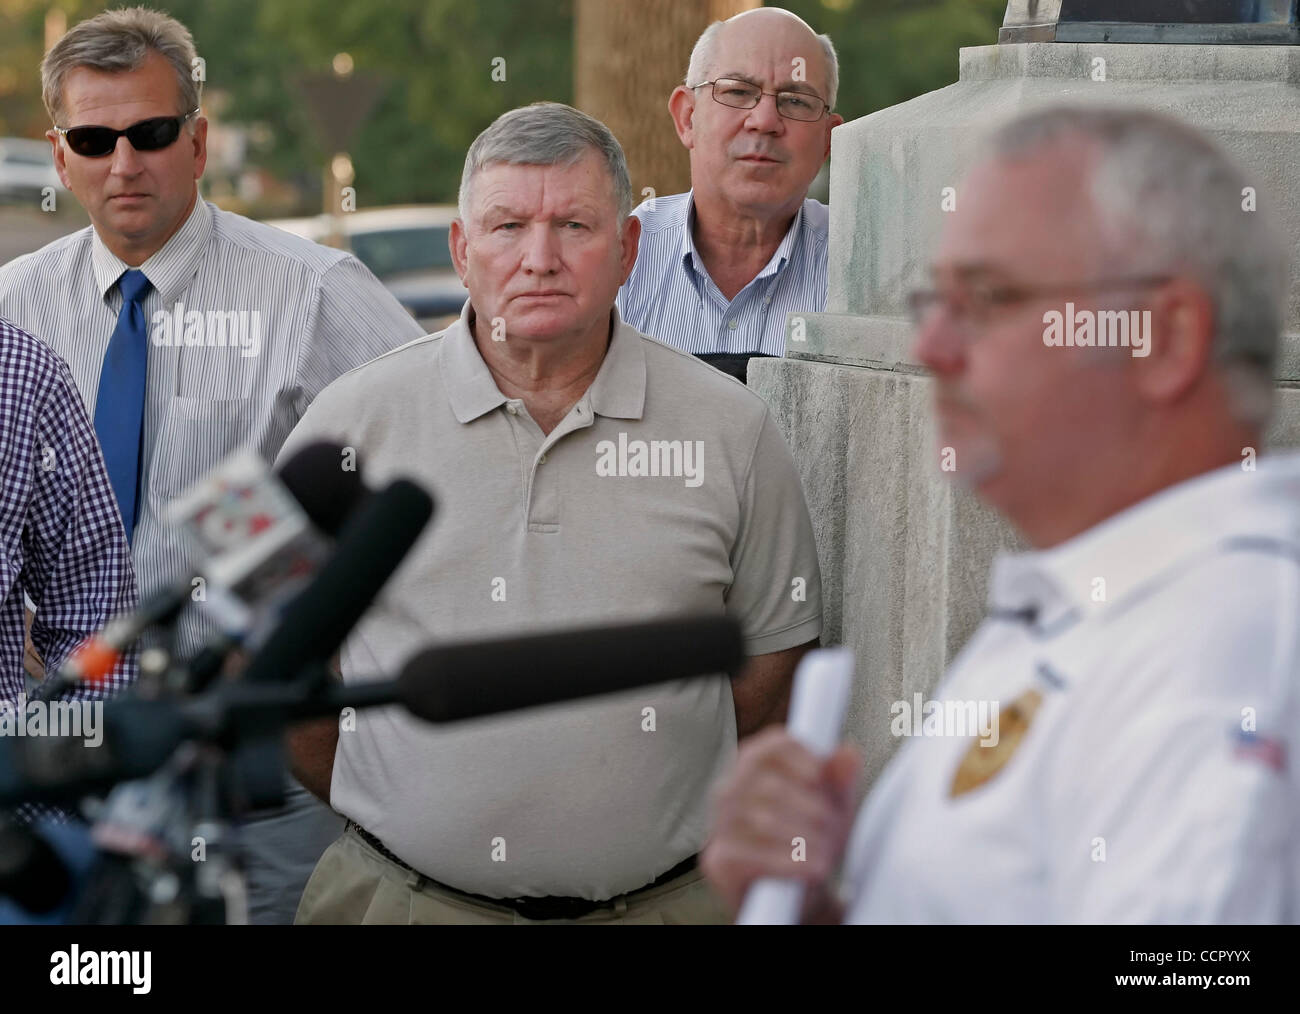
column 119, row 406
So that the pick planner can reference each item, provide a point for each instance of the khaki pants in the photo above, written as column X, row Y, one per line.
column 354, row 884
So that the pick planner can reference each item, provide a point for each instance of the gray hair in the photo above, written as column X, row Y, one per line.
column 1170, row 201
column 546, row 133
column 118, row 41
column 705, row 46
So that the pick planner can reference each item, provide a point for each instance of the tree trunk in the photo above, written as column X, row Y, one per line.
column 628, row 57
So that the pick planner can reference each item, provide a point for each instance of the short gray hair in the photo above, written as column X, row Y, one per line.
column 118, row 41
column 702, row 59
column 547, row 133
column 1170, row 201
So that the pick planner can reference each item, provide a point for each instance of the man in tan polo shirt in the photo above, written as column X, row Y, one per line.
column 585, row 474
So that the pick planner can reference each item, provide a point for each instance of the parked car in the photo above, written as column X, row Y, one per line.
column 406, row 248
column 26, row 169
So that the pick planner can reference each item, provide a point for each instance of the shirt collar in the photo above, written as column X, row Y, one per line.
column 617, row 392
column 694, row 264
column 172, row 266
column 1121, row 554
column 619, row 388
column 470, row 386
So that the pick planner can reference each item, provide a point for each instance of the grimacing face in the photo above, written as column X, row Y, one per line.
column 136, row 199
column 755, row 158
column 542, row 247
column 1021, row 416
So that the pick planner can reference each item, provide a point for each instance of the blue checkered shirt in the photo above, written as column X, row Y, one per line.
column 61, row 537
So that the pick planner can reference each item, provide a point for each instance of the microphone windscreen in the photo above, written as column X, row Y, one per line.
column 451, row 682
column 369, row 548
column 327, row 491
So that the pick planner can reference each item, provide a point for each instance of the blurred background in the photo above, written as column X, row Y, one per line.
column 348, row 120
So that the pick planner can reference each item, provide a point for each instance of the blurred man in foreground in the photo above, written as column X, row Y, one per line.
column 1142, row 659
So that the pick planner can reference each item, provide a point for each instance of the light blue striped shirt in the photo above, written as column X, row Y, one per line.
column 670, row 296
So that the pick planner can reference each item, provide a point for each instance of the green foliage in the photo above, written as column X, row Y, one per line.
column 434, row 56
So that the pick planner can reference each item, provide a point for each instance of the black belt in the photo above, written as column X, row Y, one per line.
column 529, row 908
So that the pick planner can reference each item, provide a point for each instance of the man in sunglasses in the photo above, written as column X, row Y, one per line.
column 721, row 267
column 1142, row 661
column 189, row 331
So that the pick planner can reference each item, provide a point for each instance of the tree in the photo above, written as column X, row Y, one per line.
column 628, row 57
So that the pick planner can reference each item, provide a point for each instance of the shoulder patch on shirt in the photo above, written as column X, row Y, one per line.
column 982, row 763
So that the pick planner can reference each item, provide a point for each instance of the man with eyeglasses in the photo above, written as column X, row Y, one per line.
column 721, row 267
column 169, row 402
column 1142, row 659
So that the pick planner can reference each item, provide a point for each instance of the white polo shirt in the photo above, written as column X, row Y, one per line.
column 668, row 490
column 1152, row 783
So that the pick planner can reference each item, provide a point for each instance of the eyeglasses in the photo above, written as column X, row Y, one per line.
column 147, row 135
column 743, row 95
column 977, row 302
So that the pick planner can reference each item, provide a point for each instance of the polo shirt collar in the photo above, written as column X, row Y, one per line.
column 1138, row 545
column 690, row 258
column 171, row 268
column 617, row 392
column 470, row 386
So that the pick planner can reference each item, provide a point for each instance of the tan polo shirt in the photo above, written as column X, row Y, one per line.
column 667, row 490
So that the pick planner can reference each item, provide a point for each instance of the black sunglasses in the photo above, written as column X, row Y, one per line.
column 147, row 135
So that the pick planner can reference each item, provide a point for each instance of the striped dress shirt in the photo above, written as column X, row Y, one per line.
column 61, row 537
column 247, row 324
column 670, row 296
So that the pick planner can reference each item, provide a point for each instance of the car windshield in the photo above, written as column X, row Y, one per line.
column 394, row 251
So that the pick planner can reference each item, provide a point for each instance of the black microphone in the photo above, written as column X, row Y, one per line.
column 370, row 547
column 139, row 735
column 451, row 682
column 326, row 494
column 314, row 477
column 326, row 491
column 441, row 684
